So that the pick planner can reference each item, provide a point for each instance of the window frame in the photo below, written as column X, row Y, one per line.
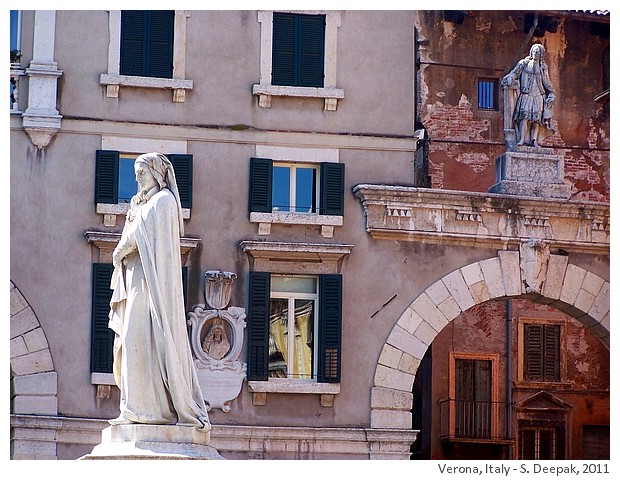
column 292, row 190
column 133, row 147
column 113, row 80
column 291, row 298
column 523, row 379
column 267, row 258
column 330, row 210
column 265, row 89
column 537, row 426
column 495, row 94
column 494, row 390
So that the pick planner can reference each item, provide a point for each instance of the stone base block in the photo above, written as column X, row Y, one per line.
column 531, row 171
column 153, row 442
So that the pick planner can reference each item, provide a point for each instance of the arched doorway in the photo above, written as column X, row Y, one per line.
column 511, row 274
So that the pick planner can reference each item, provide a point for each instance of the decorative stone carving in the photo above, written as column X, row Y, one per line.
column 216, row 338
column 218, row 288
column 446, row 217
column 534, row 254
column 531, row 172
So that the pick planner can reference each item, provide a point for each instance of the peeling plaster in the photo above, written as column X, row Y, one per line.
column 507, row 25
column 483, row 26
column 478, row 162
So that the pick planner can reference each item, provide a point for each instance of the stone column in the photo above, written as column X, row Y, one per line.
column 41, row 119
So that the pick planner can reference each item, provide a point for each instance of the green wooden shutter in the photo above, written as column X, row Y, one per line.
column 147, row 41
column 533, row 362
column 183, row 165
column 160, row 34
column 258, row 326
column 261, row 174
column 332, row 189
column 133, row 42
column 298, row 50
column 330, row 328
column 311, row 50
column 106, row 176
column 102, row 337
column 551, row 362
column 283, row 56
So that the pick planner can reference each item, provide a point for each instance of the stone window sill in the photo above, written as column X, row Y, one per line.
column 261, row 389
column 326, row 222
column 111, row 210
column 330, row 94
column 114, row 82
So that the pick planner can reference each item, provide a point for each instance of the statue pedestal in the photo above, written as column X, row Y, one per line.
column 532, row 172
column 136, row 441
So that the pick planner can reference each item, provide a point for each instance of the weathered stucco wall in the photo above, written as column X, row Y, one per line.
column 482, row 330
column 467, row 140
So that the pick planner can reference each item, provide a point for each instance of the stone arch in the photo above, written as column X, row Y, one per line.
column 568, row 287
column 34, row 384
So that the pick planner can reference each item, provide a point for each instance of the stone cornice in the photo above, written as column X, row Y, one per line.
column 482, row 219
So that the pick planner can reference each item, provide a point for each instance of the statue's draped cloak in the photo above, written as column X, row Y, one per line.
column 153, row 366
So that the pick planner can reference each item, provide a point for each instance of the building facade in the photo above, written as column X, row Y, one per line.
column 338, row 163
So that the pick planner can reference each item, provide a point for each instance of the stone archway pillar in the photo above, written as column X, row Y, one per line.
column 34, row 383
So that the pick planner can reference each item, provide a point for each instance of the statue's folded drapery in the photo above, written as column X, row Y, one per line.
column 153, row 364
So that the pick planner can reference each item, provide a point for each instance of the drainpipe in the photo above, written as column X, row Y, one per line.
column 509, row 373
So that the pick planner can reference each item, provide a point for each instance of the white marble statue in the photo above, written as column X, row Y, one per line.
column 153, row 364
column 531, row 111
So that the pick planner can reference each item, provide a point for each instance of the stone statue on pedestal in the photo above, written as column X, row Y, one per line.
column 162, row 408
column 526, row 168
column 153, row 365
column 529, row 98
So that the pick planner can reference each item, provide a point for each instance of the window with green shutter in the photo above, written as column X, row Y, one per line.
column 295, row 327
column 277, row 186
column 298, row 50
column 115, row 177
column 147, row 39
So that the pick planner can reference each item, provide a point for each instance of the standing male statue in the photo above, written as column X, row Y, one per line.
column 532, row 112
column 153, row 364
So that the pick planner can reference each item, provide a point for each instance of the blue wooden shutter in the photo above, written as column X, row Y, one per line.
column 311, row 50
column 332, row 189
column 184, row 173
column 258, row 326
column 102, row 338
column 106, row 176
column 330, row 328
column 261, row 174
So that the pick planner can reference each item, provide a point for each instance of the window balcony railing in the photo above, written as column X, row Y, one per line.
column 16, row 72
column 474, row 421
